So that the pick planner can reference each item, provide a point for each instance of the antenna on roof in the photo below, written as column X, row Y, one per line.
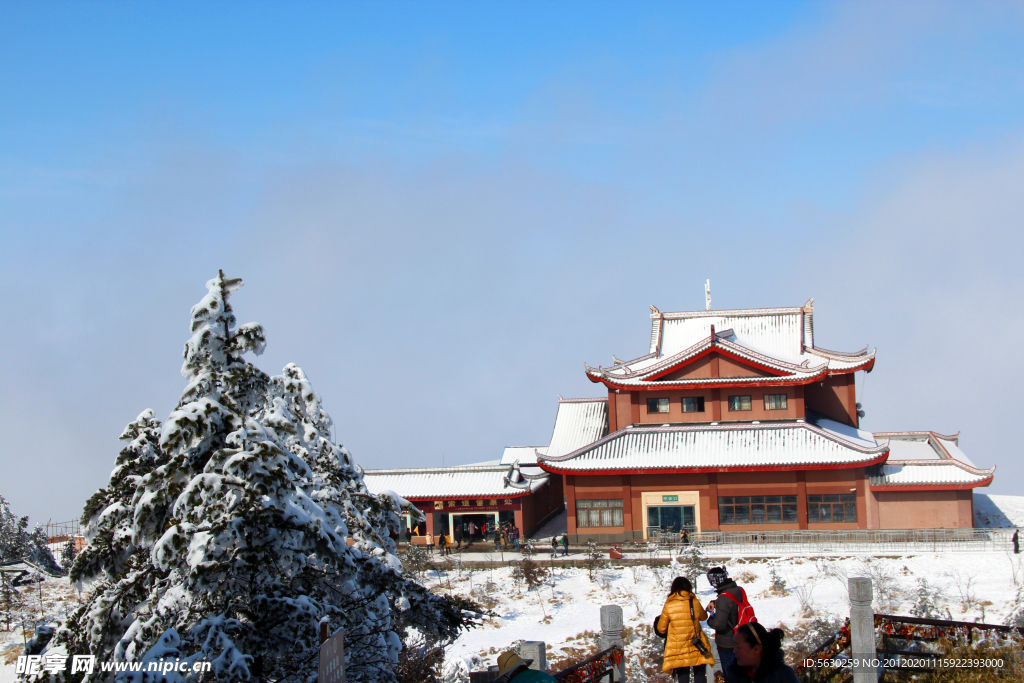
column 707, row 295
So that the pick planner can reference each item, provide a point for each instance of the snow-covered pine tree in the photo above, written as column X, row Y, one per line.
column 118, row 569
column 239, row 519
column 18, row 543
column 300, row 425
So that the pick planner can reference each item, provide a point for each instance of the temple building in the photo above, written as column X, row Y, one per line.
column 733, row 420
column 738, row 420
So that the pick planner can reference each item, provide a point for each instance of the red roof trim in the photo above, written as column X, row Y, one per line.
column 712, row 348
column 752, row 382
column 933, row 487
column 520, row 494
column 697, row 470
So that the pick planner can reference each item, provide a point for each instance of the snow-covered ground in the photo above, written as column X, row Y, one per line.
column 972, row 586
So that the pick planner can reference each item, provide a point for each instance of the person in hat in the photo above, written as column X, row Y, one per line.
column 512, row 667
column 725, row 614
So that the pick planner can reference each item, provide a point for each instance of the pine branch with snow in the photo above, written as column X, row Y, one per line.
column 227, row 533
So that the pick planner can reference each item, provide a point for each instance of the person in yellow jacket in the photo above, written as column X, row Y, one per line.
column 680, row 621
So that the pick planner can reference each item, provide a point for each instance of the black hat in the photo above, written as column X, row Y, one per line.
column 717, row 576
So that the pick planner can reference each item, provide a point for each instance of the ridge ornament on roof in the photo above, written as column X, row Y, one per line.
column 777, row 340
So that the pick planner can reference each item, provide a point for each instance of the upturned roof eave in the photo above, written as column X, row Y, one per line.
column 880, row 458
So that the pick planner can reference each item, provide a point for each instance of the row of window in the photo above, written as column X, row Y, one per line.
column 599, row 512
column 835, row 507
column 838, row 507
column 695, row 404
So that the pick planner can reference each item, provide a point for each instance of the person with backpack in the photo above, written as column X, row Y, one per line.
column 686, row 646
column 759, row 657
column 728, row 612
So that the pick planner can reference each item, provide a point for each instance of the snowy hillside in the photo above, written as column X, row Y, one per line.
column 962, row 586
column 992, row 511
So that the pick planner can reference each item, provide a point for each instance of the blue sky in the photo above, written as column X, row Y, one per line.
column 441, row 210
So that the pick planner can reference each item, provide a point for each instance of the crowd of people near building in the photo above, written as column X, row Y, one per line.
column 505, row 537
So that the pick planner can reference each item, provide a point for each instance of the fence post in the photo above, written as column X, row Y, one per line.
column 862, row 630
column 537, row 651
column 611, row 634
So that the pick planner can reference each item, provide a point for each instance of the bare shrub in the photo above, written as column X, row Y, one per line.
column 530, row 573
column 745, row 576
column 805, row 594
column 885, row 583
column 964, row 586
column 1008, row 650
column 810, row 634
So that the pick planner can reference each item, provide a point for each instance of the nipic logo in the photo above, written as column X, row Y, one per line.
column 55, row 663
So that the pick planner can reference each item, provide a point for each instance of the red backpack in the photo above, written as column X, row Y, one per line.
column 746, row 612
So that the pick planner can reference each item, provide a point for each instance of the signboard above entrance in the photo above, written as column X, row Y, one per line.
column 670, row 499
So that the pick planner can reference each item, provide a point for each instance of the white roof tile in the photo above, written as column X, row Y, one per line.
column 777, row 337
column 953, row 448
column 936, row 473
column 580, row 421
column 719, row 446
column 773, row 332
column 447, row 482
column 912, row 449
column 524, row 455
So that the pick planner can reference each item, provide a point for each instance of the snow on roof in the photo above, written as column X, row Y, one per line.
column 912, row 449
column 777, row 338
column 447, row 482
column 713, row 447
column 524, row 455
column 775, row 332
column 926, row 459
column 580, row 421
column 929, row 473
column 952, row 447
column 924, row 446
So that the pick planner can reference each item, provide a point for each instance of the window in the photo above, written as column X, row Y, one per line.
column 657, row 405
column 757, row 510
column 693, row 405
column 835, row 507
column 599, row 513
column 739, row 403
column 774, row 401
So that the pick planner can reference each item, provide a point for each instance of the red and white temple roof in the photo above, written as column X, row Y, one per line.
column 733, row 447
column 777, row 341
column 922, row 460
column 443, row 483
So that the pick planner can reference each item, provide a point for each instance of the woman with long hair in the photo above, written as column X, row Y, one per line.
column 686, row 646
column 759, row 657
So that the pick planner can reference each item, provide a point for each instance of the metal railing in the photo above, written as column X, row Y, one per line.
column 852, row 540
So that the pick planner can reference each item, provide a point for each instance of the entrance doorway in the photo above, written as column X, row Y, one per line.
column 670, row 519
column 478, row 519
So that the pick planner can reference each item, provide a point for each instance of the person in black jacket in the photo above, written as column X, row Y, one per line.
column 759, row 657
column 724, row 613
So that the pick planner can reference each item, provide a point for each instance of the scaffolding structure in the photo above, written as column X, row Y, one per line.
column 58, row 532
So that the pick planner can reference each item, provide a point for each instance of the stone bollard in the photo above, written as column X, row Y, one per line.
column 862, row 630
column 537, row 651
column 611, row 634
